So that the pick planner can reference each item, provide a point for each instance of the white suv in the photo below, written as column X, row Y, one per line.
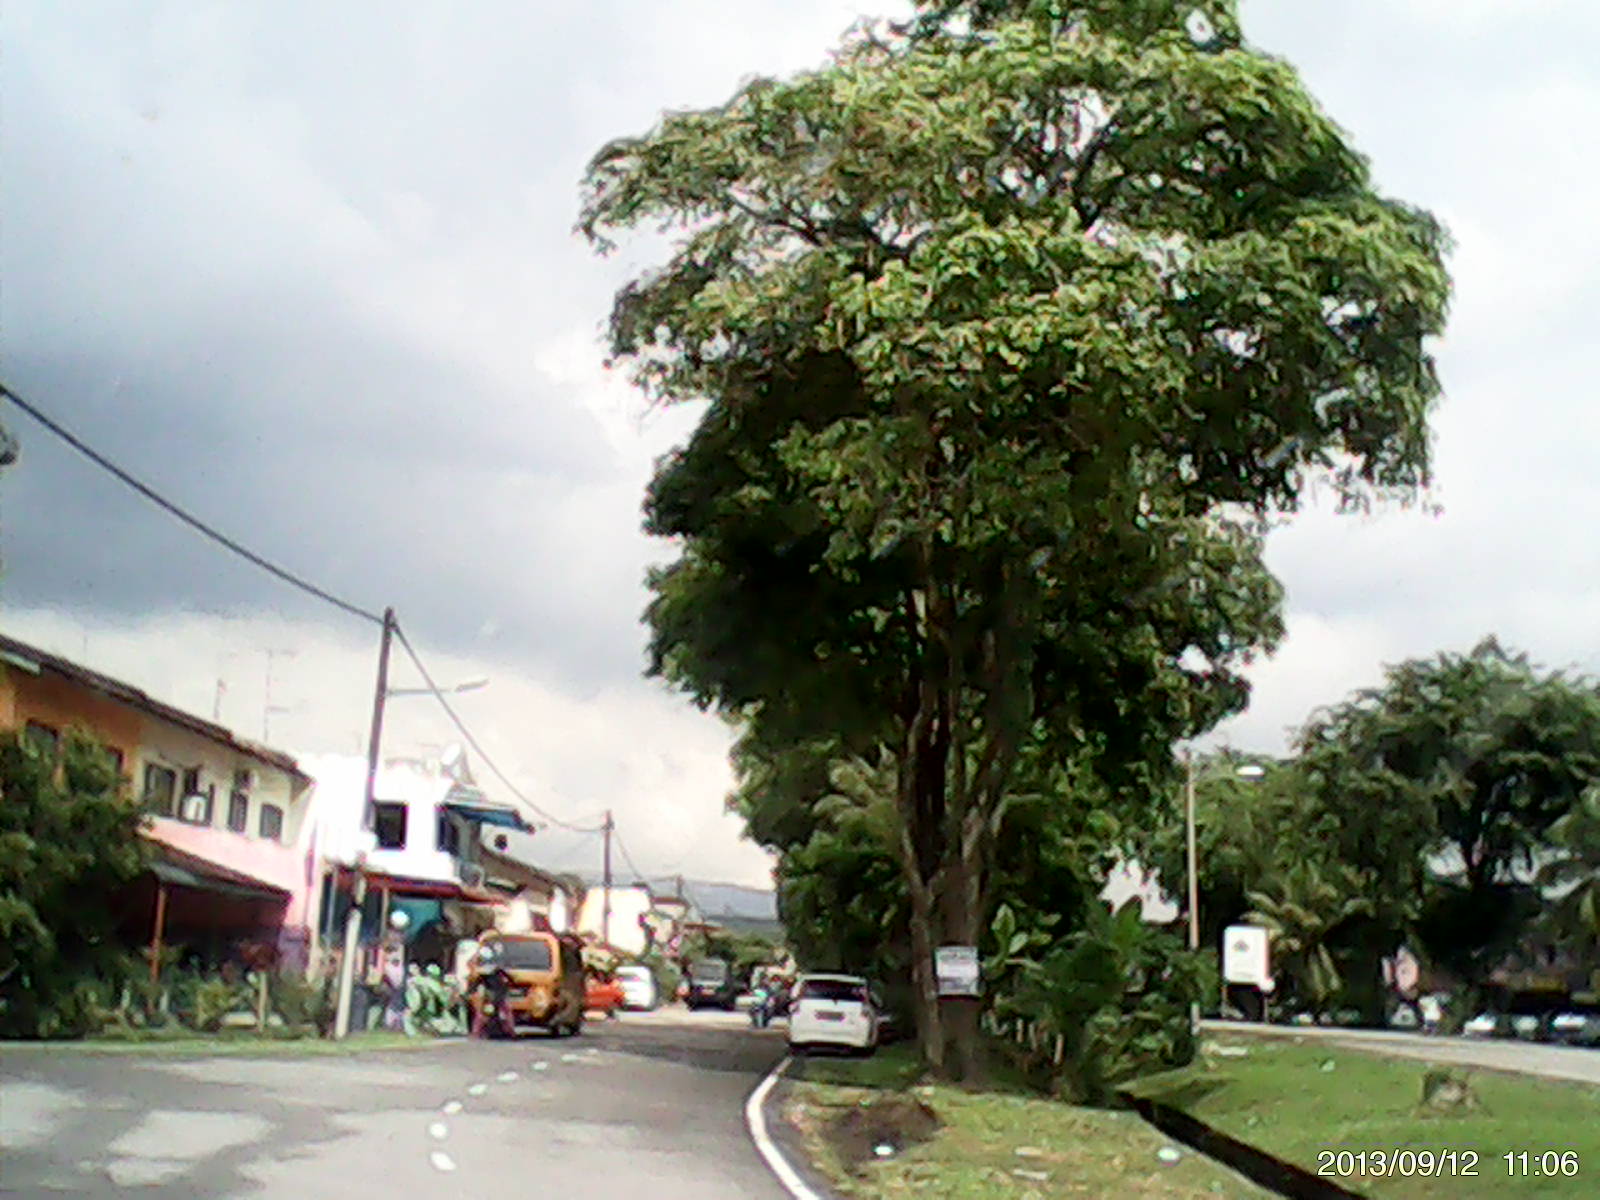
column 832, row 1010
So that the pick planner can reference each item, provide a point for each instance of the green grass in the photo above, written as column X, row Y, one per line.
column 242, row 1043
column 1299, row 1099
column 1083, row 1152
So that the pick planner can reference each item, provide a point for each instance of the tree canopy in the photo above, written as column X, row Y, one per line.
column 1015, row 323
column 69, row 840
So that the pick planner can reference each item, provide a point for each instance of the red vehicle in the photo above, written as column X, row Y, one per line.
column 602, row 993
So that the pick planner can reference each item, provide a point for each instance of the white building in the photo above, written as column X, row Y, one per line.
column 629, row 905
column 422, row 852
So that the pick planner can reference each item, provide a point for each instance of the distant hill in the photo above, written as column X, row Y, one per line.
column 734, row 905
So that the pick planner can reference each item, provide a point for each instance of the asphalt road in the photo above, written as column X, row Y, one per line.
column 650, row 1104
column 1498, row 1054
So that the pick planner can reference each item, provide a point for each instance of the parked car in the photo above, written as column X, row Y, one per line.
column 638, row 988
column 602, row 993
column 832, row 1010
column 712, row 985
column 1576, row 1028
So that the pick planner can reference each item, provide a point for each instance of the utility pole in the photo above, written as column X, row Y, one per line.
column 352, row 923
column 605, row 902
column 1193, row 872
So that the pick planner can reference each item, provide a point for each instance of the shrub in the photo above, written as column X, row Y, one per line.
column 214, row 999
column 1117, row 993
column 301, row 1002
column 69, row 843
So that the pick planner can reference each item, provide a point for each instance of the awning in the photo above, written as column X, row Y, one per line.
column 190, row 870
column 488, row 814
column 400, row 885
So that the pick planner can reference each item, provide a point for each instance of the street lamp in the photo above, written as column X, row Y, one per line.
column 471, row 685
column 1244, row 771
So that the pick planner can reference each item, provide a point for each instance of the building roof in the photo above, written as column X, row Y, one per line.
column 34, row 660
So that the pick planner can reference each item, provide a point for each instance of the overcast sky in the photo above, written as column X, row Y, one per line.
column 309, row 269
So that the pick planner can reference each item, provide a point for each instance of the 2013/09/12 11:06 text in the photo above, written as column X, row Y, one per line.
column 1444, row 1164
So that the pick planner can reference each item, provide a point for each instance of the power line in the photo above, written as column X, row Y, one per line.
column 192, row 521
column 628, row 858
column 478, row 746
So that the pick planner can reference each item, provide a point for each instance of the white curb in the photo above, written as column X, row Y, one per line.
column 755, row 1119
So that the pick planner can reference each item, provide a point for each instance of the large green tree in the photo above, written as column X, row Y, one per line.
column 69, row 842
column 1014, row 322
column 1440, row 786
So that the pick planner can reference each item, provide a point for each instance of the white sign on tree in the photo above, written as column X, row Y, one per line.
column 1247, row 956
column 956, row 969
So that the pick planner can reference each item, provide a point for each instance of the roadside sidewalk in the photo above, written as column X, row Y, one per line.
column 1573, row 1063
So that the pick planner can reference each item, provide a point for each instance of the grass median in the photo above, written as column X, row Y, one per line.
column 876, row 1131
column 1362, row 1119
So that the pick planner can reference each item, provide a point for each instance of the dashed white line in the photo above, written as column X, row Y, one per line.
column 507, row 1077
column 442, row 1161
column 451, row 1108
column 477, row 1089
column 438, row 1131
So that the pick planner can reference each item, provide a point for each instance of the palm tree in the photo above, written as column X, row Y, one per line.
column 1301, row 907
column 1575, row 874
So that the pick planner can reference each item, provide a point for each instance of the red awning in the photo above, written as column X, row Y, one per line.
column 432, row 889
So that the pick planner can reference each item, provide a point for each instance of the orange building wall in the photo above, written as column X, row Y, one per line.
column 63, row 705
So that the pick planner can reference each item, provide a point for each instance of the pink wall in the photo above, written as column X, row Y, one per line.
column 289, row 867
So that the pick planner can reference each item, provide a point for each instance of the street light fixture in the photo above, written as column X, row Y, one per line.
column 471, row 685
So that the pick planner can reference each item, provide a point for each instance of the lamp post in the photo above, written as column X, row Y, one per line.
column 1244, row 771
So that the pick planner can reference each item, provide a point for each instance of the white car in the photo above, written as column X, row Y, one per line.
column 1576, row 1028
column 638, row 988
column 832, row 1010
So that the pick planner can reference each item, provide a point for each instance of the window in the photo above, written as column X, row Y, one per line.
column 239, row 802
column 449, row 837
column 389, row 823
column 195, row 803
column 117, row 761
column 832, row 989
column 160, row 789
column 271, row 822
column 517, row 954
column 46, row 737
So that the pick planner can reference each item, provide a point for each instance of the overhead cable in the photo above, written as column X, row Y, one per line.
column 628, row 858
column 187, row 518
column 478, row 746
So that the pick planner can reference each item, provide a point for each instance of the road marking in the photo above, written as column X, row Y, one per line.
column 755, row 1119
column 541, row 1066
column 438, row 1131
column 442, row 1161
column 507, row 1077
column 477, row 1089
column 452, row 1108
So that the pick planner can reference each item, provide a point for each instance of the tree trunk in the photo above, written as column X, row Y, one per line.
column 925, row 987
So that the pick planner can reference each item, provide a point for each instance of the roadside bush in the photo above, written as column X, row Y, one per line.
column 69, row 844
column 1117, row 994
column 300, row 1002
column 213, row 999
